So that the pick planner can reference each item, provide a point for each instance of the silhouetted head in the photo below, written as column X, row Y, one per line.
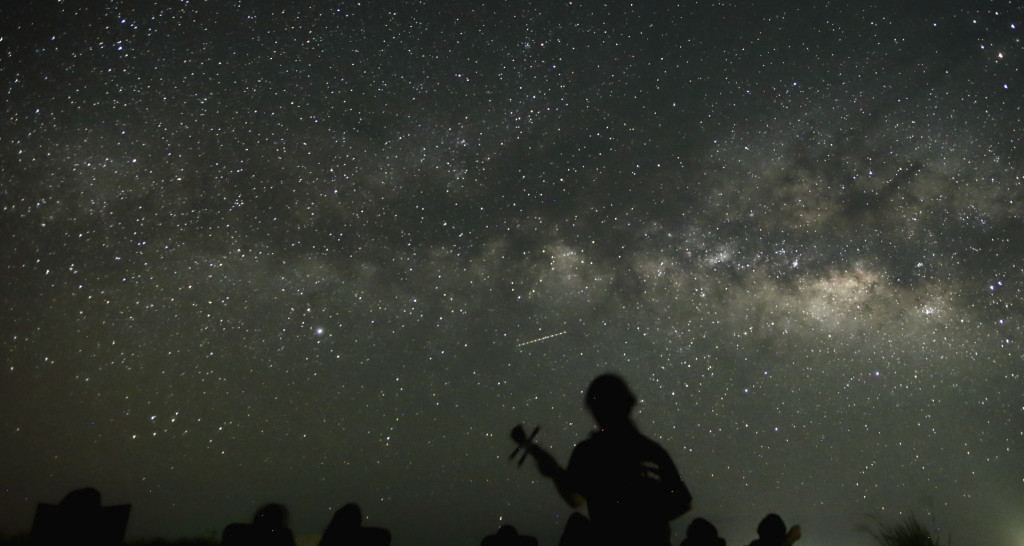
column 701, row 529
column 86, row 498
column 348, row 516
column 271, row 516
column 507, row 531
column 772, row 528
column 609, row 399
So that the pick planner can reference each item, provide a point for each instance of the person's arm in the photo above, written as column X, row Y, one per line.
column 793, row 535
column 549, row 467
column 678, row 499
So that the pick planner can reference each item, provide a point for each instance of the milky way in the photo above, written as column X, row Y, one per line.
column 322, row 254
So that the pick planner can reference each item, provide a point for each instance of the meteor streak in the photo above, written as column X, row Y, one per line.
column 538, row 340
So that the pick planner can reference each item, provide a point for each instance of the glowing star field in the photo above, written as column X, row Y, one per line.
column 333, row 252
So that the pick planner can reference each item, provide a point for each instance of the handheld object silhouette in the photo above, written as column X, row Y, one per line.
column 522, row 442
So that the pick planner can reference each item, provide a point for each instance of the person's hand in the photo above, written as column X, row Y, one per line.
column 793, row 535
column 546, row 464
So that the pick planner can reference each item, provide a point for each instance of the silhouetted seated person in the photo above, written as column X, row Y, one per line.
column 507, row 535
column 346, row 529
column 269, row 528
column 701, row 532
column 772, row 532
column 629, row 483
column 80, row 518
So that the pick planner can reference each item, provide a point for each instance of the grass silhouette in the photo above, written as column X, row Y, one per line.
column 908, row 531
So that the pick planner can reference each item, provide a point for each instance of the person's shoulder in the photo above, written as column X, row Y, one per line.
column 649, row 449
column 585, row 449
column 648, row 443
column 588, row 443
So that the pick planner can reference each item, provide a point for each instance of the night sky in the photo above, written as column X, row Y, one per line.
column 329, row 252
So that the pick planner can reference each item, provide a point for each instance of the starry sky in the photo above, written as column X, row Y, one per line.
column 329, row 252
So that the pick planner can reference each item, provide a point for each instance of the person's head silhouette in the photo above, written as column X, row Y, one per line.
column 772, row 528
column 79, row 500
column 349, row 516
column 609, row 400
column 271, row 517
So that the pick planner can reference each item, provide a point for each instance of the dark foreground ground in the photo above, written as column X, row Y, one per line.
column 300, row 540
column 23, row 540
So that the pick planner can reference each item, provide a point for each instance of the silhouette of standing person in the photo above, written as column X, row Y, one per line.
column 629, row 483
